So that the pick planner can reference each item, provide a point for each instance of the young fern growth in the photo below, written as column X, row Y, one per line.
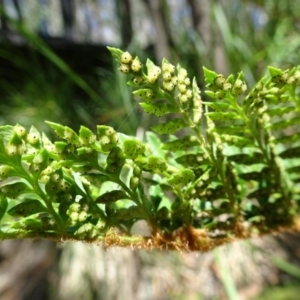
column 228, row 161
column 233, row 171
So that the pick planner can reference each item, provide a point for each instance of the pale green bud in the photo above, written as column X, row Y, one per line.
column 82, row 216
column 20, row 131
column 168, row 86
column 183, row 72
column 187, row 81
column 136, row 65
column 126, row 58
column 124, row 68
column 167, row 76
column 138, row 80
column 182, row 88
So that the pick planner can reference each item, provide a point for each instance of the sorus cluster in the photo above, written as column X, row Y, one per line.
column 169, row 78
column 78, row 211
column 146, row 94
column 185, row 94
column 153, row 74
column 135, row 178
column 239, row 87
column 153, row 164
column 179, row 144
column 87, row 231
column 108, row 137
column 110, row 197
column 133, row 148
column 115, row 160
column 5, row 172
column 16, row 145
column 182, row 177
column 221, row 86
column 292, row 77
column 129, row 64
column 55, row 183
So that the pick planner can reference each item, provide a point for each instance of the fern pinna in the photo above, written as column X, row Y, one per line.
column 208, row 173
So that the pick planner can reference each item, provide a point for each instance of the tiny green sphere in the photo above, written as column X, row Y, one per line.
column 181, row 78
column 48, row 171
column 152, row 77
column 174, row 80
column 219, row 81
column 63, row 185
column 32, row 139
column 137, row 171
column 74, row 216
column 21, row 149
column 284, row 77
column 167, row 76
column 124, row 68
column 35, row 167
column 168, row 85
column 68, row 198
column 85, row 207
column 109, row 131
column 154, row 74
column 100, row 224
column 167, row 67
column 55, row 177
column 220, row 94
column 226, row 86
column 183, row 72
column 20, row 131
column 149, row 94
column 38, row 159
column 82, row 216
column 290, row 80
column 44, row 178
column 171, row 69
column 238, row 83
column 74, row 207
column 136, row 65
column 183, row 98
column 11, row 150
column 105, row 143
column 138, row 80
column 134, row 182
column 156, row 70
column 5, row 171
column 187, row 81
column 182, row 88
column 114, row 138
column 189, row 94
column 297, row 75
column 126, row 58
column 92, row 233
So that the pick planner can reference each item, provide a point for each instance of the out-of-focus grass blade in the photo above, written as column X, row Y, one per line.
column 286, row 266
column 226, row 279
column 222, row 21
column 43, row 48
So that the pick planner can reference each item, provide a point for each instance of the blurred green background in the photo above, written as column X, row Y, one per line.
column 54, row 66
